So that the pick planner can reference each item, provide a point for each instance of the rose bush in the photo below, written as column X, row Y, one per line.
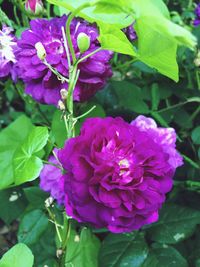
column 94, row 130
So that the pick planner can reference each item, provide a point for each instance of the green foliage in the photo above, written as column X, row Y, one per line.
column 164, row 256
column 130, row 97
column 35, row 196
column 176, row 223
column 18, row 256
column 44, row 250
column 32, row 226
column 82, row 250
column 196, row 135
column 158, row 37
column 27, row 165
column 120, row 250
column 11, row 139
column 112, row 38
column 100, row 13
column 18, row 149
column 12, row 204
column 58, row 128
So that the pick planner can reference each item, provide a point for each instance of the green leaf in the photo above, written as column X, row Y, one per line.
column 4, row 18
column 58, row 129
column 161, row 54
column 18, row 256
column 165, row 257
column 107, row 11
column 130, row 97
column 112, row 38
column 35, row 196
column 12, row 204
column 32, row 226
column 47, row 245
column 27, row 165
column 196, row 135
column 175, row 224
column 169, row 256
column 10, row 139
column 82, row 251
column 119, row 250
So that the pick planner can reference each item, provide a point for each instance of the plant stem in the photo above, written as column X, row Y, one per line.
column 194, row 114
column 89, row 55
column 188, row 184
column 191, row 162
column 197, row 78
column 52, row 164
column 69, row 20
column 86, row 113
column 16, row 16
column 48, row 10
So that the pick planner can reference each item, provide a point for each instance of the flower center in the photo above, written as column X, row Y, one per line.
column 124, row 166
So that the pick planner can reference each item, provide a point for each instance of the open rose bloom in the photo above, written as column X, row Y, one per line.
column 40, row 82
column 115, row 174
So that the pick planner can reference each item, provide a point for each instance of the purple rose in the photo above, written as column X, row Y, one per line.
column 117, row 174
column 51, row 179
column 196, row 22
column 8, row 47
column 41, row 83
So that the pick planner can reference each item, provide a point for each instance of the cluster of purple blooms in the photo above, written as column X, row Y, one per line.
column 114, row 174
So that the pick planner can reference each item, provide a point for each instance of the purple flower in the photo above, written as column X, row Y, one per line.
column 196, row 22
column 41, row 83
column 117, row 174
column 51, row 180
column 8, row 47
column 34, row 6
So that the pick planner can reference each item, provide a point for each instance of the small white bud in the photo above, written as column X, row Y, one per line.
column 61, row 105
column 64, row 94
column 83, row 42
column 77, row 238
column 41, row 52
column 59, row 253
column 48, row 202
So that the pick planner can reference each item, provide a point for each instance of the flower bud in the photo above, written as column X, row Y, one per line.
column 83, row 42
column 41, row 52
column 64, row 94
column 61, row 105
column 34, row 7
